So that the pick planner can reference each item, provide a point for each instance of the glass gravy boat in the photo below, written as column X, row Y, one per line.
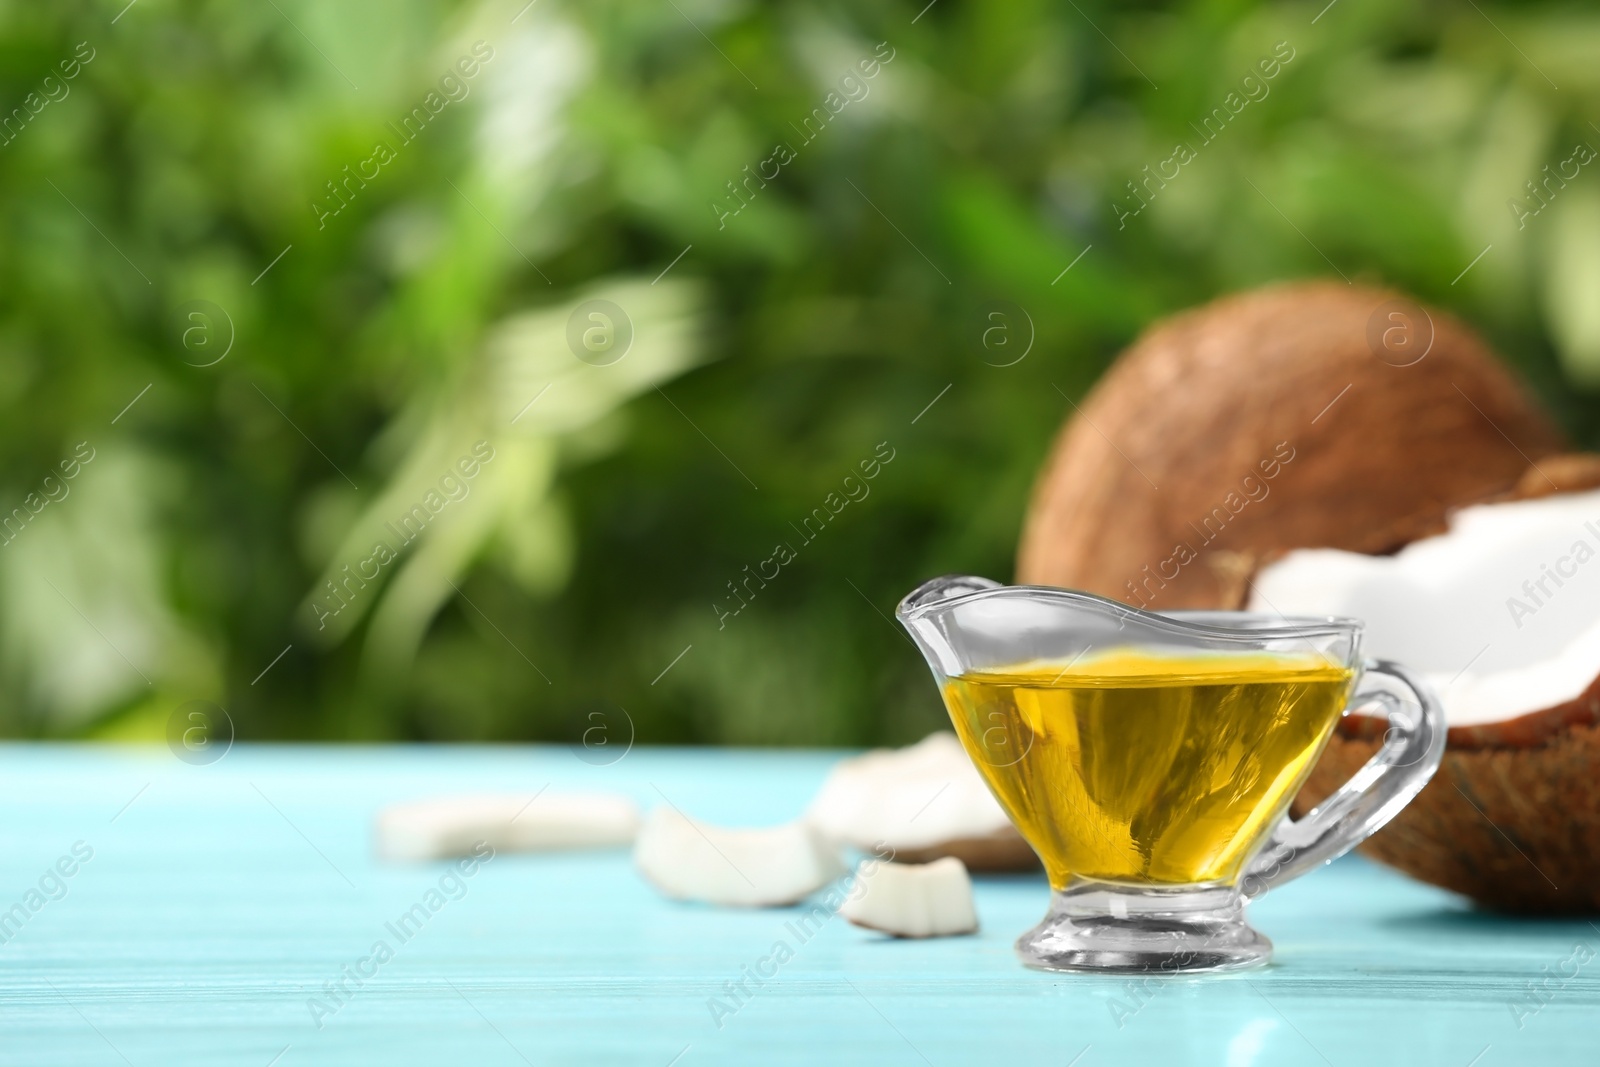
column 1150, row 758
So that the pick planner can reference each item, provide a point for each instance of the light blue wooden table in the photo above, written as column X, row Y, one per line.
column 219, row 899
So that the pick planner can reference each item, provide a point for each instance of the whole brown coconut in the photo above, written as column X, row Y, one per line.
column 1269, row 421
column 1289, row 418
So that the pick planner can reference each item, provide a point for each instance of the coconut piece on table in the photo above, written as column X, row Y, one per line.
column 507, row 822
column 915, row 899
column 923, row 802
column 691, row 860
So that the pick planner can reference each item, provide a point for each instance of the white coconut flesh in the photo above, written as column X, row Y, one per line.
column 912, row 798
column 507, row 822
column 915, row 900
column 1501, row 613
column 691, row 860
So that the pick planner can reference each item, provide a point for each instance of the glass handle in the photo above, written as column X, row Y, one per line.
column 1411, row 750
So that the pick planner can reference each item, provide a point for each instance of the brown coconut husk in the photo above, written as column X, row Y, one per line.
column 1201, row 400
column 1571, row 473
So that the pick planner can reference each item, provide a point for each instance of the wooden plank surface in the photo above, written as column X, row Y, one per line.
column 219, row 900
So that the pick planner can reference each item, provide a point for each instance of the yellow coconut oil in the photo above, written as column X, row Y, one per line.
column 1142, row 768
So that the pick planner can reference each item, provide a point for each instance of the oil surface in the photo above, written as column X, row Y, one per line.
column 1140, row 768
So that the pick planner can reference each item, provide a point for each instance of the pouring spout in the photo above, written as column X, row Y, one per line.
column 935, row 590
column 924, row 614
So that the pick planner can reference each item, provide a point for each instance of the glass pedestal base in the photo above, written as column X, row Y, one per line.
column 1141, row 930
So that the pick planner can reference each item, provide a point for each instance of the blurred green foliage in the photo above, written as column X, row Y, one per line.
column 162, row 203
